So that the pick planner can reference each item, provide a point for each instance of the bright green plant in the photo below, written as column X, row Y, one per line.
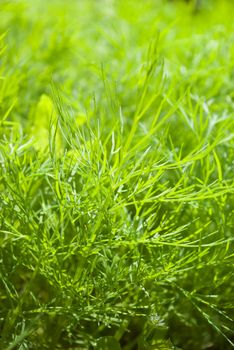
column 116, row 175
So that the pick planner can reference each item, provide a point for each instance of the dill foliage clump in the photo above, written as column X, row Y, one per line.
column 116, row 175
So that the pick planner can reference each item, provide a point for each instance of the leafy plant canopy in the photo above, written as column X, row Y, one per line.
column 116, row 174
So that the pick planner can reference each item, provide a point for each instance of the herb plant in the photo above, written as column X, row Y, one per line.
column 116, row 175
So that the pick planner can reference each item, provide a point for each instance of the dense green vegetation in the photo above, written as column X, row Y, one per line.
column 116, row 175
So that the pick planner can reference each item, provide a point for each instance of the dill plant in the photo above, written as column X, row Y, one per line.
column 116, row 179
